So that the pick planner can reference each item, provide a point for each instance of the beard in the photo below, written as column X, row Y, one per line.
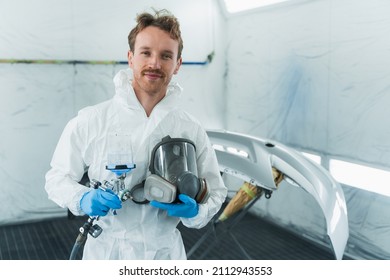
column 152, row 82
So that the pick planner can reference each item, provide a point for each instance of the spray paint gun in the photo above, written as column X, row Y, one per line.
column 119, row 161
column 88, row 227
column 118, row 184
column 136, row 193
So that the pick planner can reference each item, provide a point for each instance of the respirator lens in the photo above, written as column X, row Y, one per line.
column 171, row 159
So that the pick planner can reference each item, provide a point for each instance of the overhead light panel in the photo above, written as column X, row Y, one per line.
column 235, row 6
column 360, row 176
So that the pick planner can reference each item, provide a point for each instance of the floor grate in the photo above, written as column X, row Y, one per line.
column 54, row 239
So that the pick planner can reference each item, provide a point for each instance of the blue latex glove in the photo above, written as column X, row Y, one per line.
column 97, row 202
column 188, row 209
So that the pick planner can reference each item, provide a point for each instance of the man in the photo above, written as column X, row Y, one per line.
column 144, row 110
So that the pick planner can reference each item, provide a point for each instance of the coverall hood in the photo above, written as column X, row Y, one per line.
column 123, row 86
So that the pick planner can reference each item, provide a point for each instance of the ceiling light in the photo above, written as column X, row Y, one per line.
column 235, row 6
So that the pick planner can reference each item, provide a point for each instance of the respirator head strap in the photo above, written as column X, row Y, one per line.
column 204, row 193
column 137, row 193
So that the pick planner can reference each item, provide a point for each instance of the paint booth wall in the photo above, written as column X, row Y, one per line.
column 318, row 79
column 37, row 100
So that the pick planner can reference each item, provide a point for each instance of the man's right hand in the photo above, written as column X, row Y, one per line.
column 97, row 202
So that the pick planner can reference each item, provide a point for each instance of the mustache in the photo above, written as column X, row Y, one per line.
column 155, row 71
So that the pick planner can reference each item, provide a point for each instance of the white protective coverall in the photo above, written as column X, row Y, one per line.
column 138, row 231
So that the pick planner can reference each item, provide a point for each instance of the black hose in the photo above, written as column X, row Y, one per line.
column 75, row 250
column 80, row 240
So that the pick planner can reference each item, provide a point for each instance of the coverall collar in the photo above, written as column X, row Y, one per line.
column 126, row 95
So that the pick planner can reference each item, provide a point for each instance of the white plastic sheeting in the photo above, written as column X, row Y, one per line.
column 317, row 74
column 317, row 77
column 37, row 101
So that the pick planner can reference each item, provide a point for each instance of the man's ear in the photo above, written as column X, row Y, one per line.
column 130, row 56
column 179, row 62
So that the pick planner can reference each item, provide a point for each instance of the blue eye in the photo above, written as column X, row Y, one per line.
column 166, row 56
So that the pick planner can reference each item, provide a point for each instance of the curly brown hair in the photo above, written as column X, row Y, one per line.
column 162, row 19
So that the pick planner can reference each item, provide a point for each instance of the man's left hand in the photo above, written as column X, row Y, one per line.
column 187, row 209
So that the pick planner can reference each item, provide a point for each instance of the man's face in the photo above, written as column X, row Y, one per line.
column 154, row 61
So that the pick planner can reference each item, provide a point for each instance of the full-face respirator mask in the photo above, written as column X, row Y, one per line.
column 174, row 171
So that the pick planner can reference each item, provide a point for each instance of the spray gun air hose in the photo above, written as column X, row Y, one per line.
column 82, row 237
column 87, row 228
